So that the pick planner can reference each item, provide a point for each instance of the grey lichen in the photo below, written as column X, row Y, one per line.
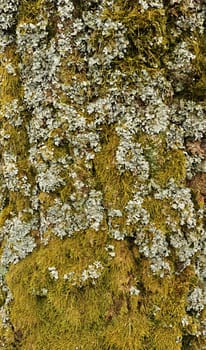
column 98, row 102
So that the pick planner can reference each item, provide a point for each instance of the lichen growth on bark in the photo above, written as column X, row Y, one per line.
column 102, row 212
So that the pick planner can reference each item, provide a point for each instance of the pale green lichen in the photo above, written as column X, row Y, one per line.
column 103, row 243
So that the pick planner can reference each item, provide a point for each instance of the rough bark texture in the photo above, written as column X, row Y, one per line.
column 102, row 174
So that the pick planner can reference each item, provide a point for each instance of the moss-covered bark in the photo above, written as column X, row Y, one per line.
column 102, row 175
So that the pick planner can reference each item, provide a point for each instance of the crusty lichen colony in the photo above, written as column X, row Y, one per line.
column 102, row 174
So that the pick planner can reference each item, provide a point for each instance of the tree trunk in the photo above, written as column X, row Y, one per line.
column 102, row 174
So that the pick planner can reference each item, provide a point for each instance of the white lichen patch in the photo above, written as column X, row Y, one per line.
column 196, row 300
column 98, row 102
column 53, row 272
column 18, row 242
column 92, row 273
column 8, row 10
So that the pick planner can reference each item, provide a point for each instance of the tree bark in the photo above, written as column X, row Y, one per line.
column 102, row 174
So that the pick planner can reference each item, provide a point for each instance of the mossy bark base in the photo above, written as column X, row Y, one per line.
column 102, row 202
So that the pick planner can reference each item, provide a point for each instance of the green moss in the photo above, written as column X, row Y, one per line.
column 116, row 189
column 6, row 213
column 60, row 151
column 173, row 166
column 127, row 331
column 77, row 316
column 30, row 10
column 197, row 88
column 104, row 315
column 2, row 297
column 165, row 301
column 9, row 87
column 10, row 84
column 18, row 141
column 65, row 193
column 159, row 210
column 7, row 338
column 169, row 164
column 164, row 339
column 164, row 163
column 72, row 313
column 19, row 202
column 142, row 28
